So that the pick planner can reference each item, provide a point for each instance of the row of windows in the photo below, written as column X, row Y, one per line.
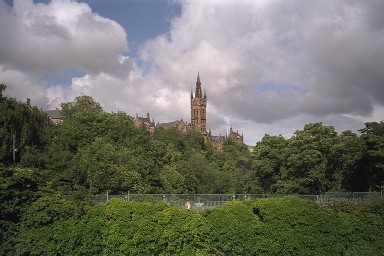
column 195, row 112
column 194, row 123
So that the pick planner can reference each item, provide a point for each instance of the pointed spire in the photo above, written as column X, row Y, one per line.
column 198, row 93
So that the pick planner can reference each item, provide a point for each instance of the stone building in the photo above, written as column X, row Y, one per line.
column 216, row 141
column 235, row 136
column 145, row 122
column 199, row 109
column 181, row 126
column 198, row 121
column 54, row 115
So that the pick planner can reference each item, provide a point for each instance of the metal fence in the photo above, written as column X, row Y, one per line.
column 206, row 201
column 348, row 196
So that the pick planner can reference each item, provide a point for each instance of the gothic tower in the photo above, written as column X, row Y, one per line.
column 198, row 109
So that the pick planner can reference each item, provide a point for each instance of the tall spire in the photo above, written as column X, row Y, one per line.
column 198, row 93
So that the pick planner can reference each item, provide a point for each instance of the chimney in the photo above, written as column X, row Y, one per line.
column 28, row 102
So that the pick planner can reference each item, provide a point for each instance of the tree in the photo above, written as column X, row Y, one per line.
column 305, row 173
column 173, row 182
column 371, row 174
column 18, row 189
column 2, row 89
column 106, row 166
column 194, row 140
column 82, row 103
column 268, row 158
column 198, row 178
column 347, row 152
column 308, row 155
column 20, row 125
column 47, row 227
column 171, row 136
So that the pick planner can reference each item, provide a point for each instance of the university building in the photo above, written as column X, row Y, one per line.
column 198, row 121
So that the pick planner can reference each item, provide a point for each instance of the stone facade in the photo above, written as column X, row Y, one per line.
column 198, row 121
column 235, row 136
column 199, row 109
column 54, row 116
column 145, row 122
column 216, row 141
column 181, row 126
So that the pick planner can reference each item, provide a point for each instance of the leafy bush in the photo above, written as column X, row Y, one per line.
column 292, row 226
column 273, row 226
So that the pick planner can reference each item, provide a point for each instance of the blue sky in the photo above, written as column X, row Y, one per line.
column 142, row 20
column 268, row 67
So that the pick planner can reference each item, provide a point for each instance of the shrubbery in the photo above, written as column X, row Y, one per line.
column 274, row 226
column 93, row 152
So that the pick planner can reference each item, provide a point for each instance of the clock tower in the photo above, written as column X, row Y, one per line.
column 199, row 109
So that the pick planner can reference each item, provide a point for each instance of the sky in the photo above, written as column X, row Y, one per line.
column 268, row 67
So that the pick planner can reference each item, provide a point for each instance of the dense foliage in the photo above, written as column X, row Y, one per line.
column 92, row 152
column 95, row 151
column 279, row 226
column 22, row 124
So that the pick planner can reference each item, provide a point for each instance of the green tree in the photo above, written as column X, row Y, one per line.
column 173, row 182
column 18, row 189
column 106, row 166
column 308, row 155
column 2, row 89
column 304, row 173
column 347, row 152
column 82, row 104
column 268, row 159
column 47, row 227
column 171, row 136
column 194, row 140
column 371, row 174
column 20, row 124
column 197, row 174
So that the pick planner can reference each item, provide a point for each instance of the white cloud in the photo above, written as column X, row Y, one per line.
column 268, row 66
column 22, row 86
column 330, row 53
column 62, row 34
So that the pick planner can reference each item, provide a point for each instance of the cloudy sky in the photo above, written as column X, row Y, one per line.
column 268, row 67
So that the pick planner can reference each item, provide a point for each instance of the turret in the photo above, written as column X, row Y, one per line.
column 198, row 108
column 198, row 93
